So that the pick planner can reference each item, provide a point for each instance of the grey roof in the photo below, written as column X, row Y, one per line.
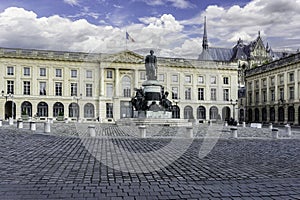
column 216, row 54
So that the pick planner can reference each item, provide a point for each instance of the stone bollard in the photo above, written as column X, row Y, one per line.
column 92, row 130
column 226, row 124
column 32, row 125
column 210, row 123
column 1, row 122
column 288, row 130
column 275, row 133
column 142, row 129
column 234, row 132
column 271, row 126
column 66, row 120
column 47, row 128
column 50, row 120
column 244, row 124
column 189, row 130
column 11, row 121
column 20, row 123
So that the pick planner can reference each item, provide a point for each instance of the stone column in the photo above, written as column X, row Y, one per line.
column 136, row 78
column 117, row 82
column 102, row 81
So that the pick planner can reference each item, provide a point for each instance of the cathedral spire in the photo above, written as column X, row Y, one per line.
column 204, row 41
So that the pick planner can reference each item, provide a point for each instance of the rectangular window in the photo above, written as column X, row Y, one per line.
column 188, row 79
column 73, row 73
column 89, row 90
column 225, row 80
column 187, row 93
column 213, row 80
column 257, row 84
column 26, row 71
column 272, row 80
column 42, row 88
column 58, row 89
column 281, row 79
column 256, row 97
column 264, row 82
column 10, row 70
column 58, row 72
column 226, row 94
column 109, row 90
column 89, row 74
column 10, row 87
column 291, row 77
column 127, row 92
column 73, row 89
column 200, row 79
column 292, row 95
column 174, row 92
column 161, row 77
column 109, row 110
column 281, row 94
column 200, row 93
column 109, row 74
column 142, row 75
column 213, row 94
column 250, row 98
column 26, row 88
column 272, row 95
column 42, row 71
column 175, row 78
column 264, row 96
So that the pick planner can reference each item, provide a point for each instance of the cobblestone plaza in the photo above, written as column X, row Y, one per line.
column 58, row 165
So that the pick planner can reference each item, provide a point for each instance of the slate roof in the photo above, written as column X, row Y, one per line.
column 216, row 54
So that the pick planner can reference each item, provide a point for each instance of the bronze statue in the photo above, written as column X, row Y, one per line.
column 151, row 66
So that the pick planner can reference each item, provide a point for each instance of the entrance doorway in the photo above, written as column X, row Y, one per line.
column 10, row 109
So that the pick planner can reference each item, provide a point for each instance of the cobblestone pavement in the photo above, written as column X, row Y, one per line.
column 39, row 166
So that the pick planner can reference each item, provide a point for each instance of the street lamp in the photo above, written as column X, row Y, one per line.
column 9, row 95
column 77, row 100
column 233, row 103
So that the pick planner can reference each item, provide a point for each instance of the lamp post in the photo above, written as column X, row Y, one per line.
column 233, row 103
column 77, row 100
column 9, row 95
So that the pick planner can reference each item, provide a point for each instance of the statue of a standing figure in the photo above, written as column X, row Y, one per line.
column 151, row 66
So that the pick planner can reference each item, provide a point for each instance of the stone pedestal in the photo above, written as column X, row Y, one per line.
column 142, row 129
column 271, row 126
column 32, row 126
column 189, row 131
column 47, row 128
column 234, row 132
column 1, row 122
column 288, row 130
column 152, row 91
column 275, row 133
column 244, row 124
column 11, row 121
column 92, row 130
column 20, row 123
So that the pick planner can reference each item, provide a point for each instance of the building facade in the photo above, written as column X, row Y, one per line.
column 273, row 91
column 55, row 84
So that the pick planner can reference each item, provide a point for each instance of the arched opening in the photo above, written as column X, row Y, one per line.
column 201, row 112
column 226, row 113
column 213, row 113
column 256, row 115
column 280, row 114
column 74, row 110
column 126, row 86
column 291, row 114
column 58, row 109
column 188, row 112
column 42, row 109
column 250, row 115
column 241, row 116
column 26, row 108
column 89, row 110
column 272, row 114
column 10, row 109
column 175, row 112
column 264, row 114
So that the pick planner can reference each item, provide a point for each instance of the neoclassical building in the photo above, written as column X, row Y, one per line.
column 90, row 86
column 273, row 91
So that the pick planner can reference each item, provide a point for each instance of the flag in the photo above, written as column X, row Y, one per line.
column 128, row 37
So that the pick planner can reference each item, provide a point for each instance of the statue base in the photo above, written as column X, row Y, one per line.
column 152, row 91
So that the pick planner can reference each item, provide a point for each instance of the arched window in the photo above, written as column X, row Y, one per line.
column 256, row 115
column 226, row 113
column 201, row 112
column 213, row 113
column 42, row 109
column 175, row 112
column 250, row 115
column 89, row 110
column 26, row 108
column 291, row 114
column 73, row 110
column 58, row 109
column 188, row 112
column 280, row 114
column 126, row 86
column 272, row 114
column 264, row 114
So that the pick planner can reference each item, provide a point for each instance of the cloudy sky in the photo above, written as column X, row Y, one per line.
column 170, row 27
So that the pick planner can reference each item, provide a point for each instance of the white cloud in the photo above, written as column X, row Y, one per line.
column 72, row 2
column 182, row 4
